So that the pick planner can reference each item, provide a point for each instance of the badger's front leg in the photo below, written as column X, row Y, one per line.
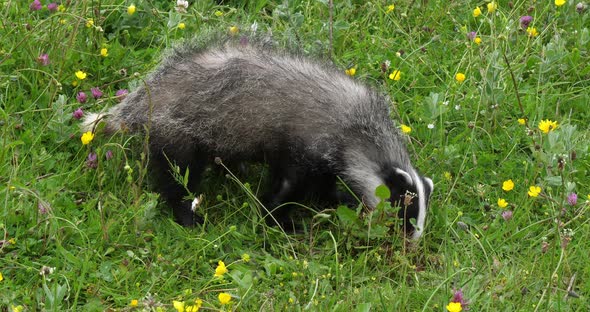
column 296, row 183
column 186, row 158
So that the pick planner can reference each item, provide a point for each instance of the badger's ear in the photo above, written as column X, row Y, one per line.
column 404, row 175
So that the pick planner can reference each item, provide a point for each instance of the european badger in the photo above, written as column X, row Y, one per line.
column 242, row 101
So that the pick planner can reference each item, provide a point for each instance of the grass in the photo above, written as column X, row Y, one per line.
column 80, row 234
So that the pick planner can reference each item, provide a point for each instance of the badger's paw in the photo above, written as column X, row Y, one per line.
column 184, row 215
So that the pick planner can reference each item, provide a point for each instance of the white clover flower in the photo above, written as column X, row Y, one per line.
column 181, row 6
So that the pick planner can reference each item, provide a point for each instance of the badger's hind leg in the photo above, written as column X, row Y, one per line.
column 173, row 192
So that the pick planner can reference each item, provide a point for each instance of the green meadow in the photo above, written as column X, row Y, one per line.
column 492, row 97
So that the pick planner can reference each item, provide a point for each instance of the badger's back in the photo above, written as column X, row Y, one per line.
column 237, row 98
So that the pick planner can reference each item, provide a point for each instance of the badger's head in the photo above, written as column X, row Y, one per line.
column 369, row 168
column 411, row 192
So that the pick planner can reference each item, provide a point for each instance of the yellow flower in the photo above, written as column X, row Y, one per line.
column 74, row 83
column 198, row 303
column 521, row 121
column 131, row 9
column 454, row 307
column 477, row 40
column 508, row 185
column 224, row 298
column 181, row 26
column 559, row 2
column 18, row 308
column 351, row 71
column 395, row 75
column 61, row 8
column 89, row 23
column 80, row 75
column 476, row 12
column 534, row 191
column 246, row 257
column 192, row 308
column 448, row 175
column 532, row 31
column 460, row 77
column 1, row 277
column 221, row 269
column 178, row 305
column 390, row 8
column 218, row 13
column 134, row 303
column 406, row 129
column 87, row 137
column 234, row 30
column 502, row 203
column 492, row 6
column 104, row 52
column 547, row 125
column 62, row 21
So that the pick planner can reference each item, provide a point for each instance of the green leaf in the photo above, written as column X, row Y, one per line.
column 382, row 192
column 243, row 279
column 379, row 231
column 173, row 19
column 185, row 179
column 363, row 307
column 553, row 180
column 347, row 215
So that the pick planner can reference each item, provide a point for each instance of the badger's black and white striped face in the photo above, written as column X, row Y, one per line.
column 411, row 192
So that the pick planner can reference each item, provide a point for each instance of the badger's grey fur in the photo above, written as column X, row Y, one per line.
column 241, row 101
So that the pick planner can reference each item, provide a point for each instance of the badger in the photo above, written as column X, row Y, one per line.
column 244, row 100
